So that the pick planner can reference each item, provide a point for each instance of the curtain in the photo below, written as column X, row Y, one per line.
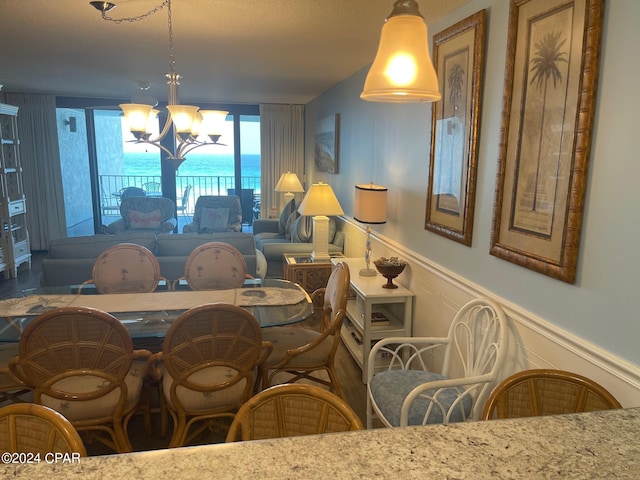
column 281, row 149
column 42, row 177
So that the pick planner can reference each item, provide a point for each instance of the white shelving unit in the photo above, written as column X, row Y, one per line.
column 359, row 333
column 14, row 237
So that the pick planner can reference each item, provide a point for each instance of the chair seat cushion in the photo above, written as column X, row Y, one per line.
column 286, row 338
column 193, row 401
column 391, row 387
column 100, row 407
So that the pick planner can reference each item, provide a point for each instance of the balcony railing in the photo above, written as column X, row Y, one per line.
column 111, row 187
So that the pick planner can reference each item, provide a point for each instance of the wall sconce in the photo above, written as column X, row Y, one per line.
column 71, row 122
column 370, row 206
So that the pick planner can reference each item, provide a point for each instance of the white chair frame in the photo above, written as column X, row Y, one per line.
column 480, row 356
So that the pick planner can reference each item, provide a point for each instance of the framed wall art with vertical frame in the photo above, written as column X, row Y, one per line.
column 327, row 144
column 553, row 54
column 458, row 54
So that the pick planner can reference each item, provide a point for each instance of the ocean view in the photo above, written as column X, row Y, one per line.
column 196, row 165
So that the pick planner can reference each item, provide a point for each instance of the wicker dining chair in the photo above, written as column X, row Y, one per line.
column 32, row 428
column 80, row 362
column 291, row 410
column 538, row 392
column 125, row 268
column 215, row 266
column 207, row 367
column 301, row 351
column 12, row 390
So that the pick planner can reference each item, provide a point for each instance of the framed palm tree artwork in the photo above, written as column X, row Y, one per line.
column 553, row 52
column 458, row 55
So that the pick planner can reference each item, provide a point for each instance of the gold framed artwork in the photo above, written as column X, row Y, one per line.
column 551, row 76
column 327, row 144
column 458, row 54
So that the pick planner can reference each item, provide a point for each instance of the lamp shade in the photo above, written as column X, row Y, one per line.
column 289, row 183
column 402, row 71
column 370, row 204
column 320, row 200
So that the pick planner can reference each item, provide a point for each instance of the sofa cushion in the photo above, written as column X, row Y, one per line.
column 288, row 209
column 302, row 229
column 93, row 245
column 144, row 220
column 214, row 220
column 292, row 218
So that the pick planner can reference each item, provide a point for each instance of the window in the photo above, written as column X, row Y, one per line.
column 99, row 161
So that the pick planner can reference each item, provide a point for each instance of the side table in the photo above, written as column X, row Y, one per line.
column 300, row 268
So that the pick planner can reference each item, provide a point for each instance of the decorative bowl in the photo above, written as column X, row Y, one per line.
column 390, row 268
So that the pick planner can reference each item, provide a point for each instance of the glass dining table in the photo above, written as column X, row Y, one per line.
column 148, row 316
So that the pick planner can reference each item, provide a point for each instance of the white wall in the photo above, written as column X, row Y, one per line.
column 592, row 322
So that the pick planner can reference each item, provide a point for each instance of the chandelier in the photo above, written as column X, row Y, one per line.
column 192, row 127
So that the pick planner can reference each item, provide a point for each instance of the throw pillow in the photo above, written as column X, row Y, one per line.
column 144, row 220
column 302, row 229
column 214, row 220
column 292, row 218
column 288, row 209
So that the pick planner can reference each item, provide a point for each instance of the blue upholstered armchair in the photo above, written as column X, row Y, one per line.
column 155, row 214
column 215, row 213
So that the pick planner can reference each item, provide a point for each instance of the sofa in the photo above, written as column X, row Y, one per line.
column 70, row 260
column 290, row 233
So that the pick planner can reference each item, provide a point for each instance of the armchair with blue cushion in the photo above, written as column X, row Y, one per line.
column 216, row 213
column 145, row 214
column 412, row 391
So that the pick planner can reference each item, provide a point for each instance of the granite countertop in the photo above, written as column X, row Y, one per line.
column 600, row 444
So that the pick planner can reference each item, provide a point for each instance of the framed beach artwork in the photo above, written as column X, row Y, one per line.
column 551, row 76
column 458, row 54
column 327, row 144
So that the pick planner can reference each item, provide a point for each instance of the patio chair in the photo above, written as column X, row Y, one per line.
column 184, row 203
column 290, row 411
column 539, row 392
column 407, row 392
column 36, row 429
column 80, row 362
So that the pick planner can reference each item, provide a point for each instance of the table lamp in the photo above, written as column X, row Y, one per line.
column 370, row 206
column 289, row 184
column 320, row 202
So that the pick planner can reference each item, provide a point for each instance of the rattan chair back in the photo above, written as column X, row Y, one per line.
column 292, row 410
column 215, row 266
column 79, row 362
column 125, row 268
column 31, row 428
column 305, row 359
column 541, row 392
column 210, row 354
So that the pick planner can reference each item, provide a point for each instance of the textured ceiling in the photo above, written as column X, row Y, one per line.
column 236, row 51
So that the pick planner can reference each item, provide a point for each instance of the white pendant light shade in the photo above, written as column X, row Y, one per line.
column 402, row 71
column 183, row 117
column 137, row 116
column 213, row 122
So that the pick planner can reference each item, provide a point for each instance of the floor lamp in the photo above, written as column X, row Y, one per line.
column 370, row 207
column 320, row 202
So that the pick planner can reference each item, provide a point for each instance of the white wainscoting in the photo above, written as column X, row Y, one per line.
column 534, row 342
